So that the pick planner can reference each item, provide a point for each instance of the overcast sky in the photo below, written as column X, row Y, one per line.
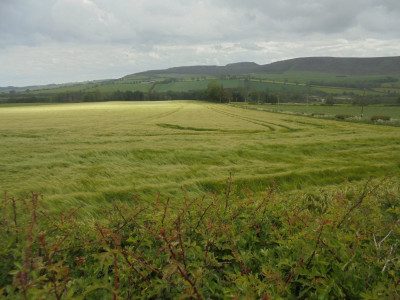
column 57, row 41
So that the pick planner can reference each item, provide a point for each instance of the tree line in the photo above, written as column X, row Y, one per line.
column 215, row 92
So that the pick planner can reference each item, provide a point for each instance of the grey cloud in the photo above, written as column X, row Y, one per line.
column 112, row 37
column 168, row 21
column 311, row 17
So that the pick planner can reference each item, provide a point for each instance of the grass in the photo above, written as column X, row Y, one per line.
column 90, row 154
column 332, row 110
column 306, row 76
column 120, row 85
column 182, row 86
column 3, row 105
column 287, row 82
column 345, row 91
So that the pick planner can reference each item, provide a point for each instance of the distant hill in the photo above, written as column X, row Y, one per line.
column 9, row 89
column 231, row 69
column 382, row 66
column 344, row 66
column 336, row 65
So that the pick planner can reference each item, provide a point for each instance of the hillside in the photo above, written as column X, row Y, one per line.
column 335, row 65
column 231, row 69
column 344, row 66
column 292, row 80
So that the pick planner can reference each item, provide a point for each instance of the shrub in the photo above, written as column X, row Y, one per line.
column 341, row 245
column 344, row 116
column 377, row 118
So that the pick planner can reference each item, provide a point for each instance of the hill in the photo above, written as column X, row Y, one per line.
column 231, row 69
column 344, row 66
column 336, row 65
column 292, row 80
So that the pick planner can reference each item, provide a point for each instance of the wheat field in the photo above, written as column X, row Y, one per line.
column 92, row 154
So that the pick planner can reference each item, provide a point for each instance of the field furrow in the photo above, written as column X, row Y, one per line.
column 90, row 154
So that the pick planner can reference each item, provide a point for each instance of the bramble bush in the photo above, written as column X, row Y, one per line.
column 315, row 245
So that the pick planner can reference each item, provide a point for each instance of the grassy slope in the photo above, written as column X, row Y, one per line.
column 90, row 154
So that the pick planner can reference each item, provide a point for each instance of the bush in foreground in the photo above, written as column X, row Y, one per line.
column 344, row 245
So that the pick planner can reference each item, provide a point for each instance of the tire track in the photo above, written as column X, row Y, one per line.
column 254, row 121
column 160, row 115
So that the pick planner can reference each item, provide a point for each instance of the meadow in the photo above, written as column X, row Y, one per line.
column 145, row 200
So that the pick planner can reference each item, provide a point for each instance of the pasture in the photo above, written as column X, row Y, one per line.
column 92, row 154
column 330, row 110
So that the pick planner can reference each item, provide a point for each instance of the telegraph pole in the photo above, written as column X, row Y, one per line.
column 362, row 104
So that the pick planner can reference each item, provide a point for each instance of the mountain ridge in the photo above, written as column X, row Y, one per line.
column 346, row 66
column 338, row 65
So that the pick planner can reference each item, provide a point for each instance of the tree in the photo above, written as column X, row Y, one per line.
column 255, row 96
column 214, row 92
column 94, row 96
column 138, row 96
column 329, row 100
column 238, row 95
column 129, row 96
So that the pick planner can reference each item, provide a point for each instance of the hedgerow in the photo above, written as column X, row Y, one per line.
column 326, row 245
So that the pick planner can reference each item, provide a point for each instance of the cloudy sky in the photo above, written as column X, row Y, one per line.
column 56, row 41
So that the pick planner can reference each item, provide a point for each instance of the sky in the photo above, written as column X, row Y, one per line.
column 60, row 41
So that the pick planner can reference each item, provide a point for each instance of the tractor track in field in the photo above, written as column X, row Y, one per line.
column 160, row 115
column 252, row 120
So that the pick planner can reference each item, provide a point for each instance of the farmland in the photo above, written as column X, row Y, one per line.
column 89, row 154
column 331, row 110
column 144, row 200
column 344, row 81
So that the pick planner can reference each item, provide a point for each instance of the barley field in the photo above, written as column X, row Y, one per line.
column 91, row 154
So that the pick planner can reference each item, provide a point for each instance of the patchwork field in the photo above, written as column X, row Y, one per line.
column 91, row 154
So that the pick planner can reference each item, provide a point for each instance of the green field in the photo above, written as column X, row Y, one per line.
column 290, row 86
column 91, row 154
column 330, row 110
column 118, row 85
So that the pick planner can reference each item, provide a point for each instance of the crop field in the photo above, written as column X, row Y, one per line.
column 277, row 86
column 185, row 199
column 91, row 154
column 342, row 90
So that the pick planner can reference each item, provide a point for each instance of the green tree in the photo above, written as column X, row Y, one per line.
column 329, row 100
column 215, row 92
column 255, row 96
